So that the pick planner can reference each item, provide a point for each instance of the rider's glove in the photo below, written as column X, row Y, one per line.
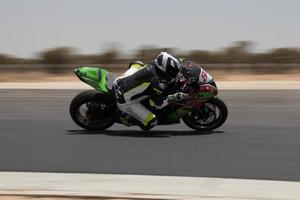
column 179, row 96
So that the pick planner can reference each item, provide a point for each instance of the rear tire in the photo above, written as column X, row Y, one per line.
column 87, row 110
column 218, row 118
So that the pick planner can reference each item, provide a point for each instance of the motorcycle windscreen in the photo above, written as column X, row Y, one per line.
column 198, row 73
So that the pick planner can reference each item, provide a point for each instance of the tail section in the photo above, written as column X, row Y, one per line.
column 100, row 79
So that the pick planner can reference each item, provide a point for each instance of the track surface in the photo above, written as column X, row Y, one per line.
column 261, row 139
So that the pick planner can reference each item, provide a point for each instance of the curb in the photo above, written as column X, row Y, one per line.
column 143, row 187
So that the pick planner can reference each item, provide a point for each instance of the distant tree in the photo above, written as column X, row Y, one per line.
column 200, row 56
column 259, row 58
column 4, row 59
column 285, row 55
column 108, row 57
column 54, row 57
column 239, row 52
column 149, row 53
column 61, row 55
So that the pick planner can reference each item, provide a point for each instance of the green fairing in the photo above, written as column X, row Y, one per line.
column 204, row 95
column 95, row 77
column 181, row 112
column 177, row 114
column 103, row 81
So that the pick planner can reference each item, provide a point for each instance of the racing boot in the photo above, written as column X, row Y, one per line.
column 150, row 124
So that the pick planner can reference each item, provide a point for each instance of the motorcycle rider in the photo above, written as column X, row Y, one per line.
column 155, row 79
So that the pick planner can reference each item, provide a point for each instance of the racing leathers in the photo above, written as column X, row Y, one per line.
column 138, row 83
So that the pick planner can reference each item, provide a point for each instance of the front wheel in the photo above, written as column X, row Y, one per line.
column 210, row 116
column 92, row 110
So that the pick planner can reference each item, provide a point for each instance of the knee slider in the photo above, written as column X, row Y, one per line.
column 150, row 121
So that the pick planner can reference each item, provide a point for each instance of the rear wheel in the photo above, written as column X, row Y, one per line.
column 210, row 116
column 92, row 110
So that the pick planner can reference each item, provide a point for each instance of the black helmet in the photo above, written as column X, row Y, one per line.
column 167, row 64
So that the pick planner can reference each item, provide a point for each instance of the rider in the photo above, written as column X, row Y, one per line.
column 139, row 82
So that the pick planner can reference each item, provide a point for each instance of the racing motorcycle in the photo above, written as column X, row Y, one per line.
column 95, row 110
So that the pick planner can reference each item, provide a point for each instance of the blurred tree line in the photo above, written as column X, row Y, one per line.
column 238, row 52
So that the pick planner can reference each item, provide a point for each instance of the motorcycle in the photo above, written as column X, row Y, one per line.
column 95, row 110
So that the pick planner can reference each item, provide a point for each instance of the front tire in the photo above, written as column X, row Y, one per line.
column 211, row 116
column 92, row 110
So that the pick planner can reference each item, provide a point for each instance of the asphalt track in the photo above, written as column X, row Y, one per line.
column 260, row 140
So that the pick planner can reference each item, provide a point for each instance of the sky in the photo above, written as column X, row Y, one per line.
column 90, row 26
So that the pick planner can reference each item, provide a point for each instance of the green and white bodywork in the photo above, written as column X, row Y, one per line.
column 98, row 78
column 211, row 112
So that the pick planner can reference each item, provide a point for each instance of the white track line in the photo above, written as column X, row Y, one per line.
column 223, row 85
column 137, row 186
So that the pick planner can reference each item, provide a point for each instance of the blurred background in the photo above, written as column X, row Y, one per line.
column 233, row 40
column 236, row 41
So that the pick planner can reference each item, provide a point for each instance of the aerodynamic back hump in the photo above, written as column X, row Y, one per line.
column 98, row 78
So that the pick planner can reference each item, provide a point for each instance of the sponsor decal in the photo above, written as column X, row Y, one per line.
column 203, row 76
